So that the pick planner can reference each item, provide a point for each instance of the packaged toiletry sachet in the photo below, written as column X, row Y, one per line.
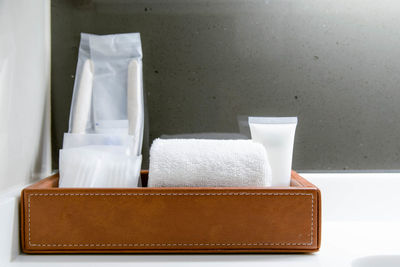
column 103, row 145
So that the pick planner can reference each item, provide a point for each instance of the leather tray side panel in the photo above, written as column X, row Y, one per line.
column 169, row 220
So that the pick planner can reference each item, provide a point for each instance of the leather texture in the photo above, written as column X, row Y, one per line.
column 170, row 220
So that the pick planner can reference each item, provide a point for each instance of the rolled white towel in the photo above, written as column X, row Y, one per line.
column 208, row 163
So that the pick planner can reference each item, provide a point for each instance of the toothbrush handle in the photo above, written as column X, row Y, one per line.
column 83, row 101
column 135, row 104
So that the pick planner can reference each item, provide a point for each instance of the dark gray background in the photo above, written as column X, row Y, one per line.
column 335, row 64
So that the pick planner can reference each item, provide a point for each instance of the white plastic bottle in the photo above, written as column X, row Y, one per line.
column 277, row 136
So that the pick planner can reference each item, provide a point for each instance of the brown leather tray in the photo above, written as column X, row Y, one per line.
column 170, row 220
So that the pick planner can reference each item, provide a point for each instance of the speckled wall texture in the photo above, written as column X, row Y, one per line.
column 333, row 63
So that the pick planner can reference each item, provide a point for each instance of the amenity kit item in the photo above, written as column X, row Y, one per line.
column 104, row 142
column 80, row 114
column 277, row 136
column 208, row 163
column 204, row 196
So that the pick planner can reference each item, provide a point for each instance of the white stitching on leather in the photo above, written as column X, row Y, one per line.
column 172, row 244
column 169, row 194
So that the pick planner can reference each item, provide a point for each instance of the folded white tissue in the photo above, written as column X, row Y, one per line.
column 208, row 163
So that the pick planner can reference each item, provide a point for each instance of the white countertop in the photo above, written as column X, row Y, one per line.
column 361, row 218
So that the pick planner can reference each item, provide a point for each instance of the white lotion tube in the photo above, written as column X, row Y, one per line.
column 83, row 101
column 276, row 134
column 135, row 106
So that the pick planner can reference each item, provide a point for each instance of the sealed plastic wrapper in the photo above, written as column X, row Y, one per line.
column 98, row 166
column 104, row 142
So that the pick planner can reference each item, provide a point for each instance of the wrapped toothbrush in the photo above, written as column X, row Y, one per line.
column 104, row 142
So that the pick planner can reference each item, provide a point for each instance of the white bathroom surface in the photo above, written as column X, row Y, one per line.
column 360, row 228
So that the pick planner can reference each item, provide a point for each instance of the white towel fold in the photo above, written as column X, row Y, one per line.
column 208, row 163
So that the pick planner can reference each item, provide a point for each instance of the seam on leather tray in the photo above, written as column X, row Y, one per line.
column 172, row 244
